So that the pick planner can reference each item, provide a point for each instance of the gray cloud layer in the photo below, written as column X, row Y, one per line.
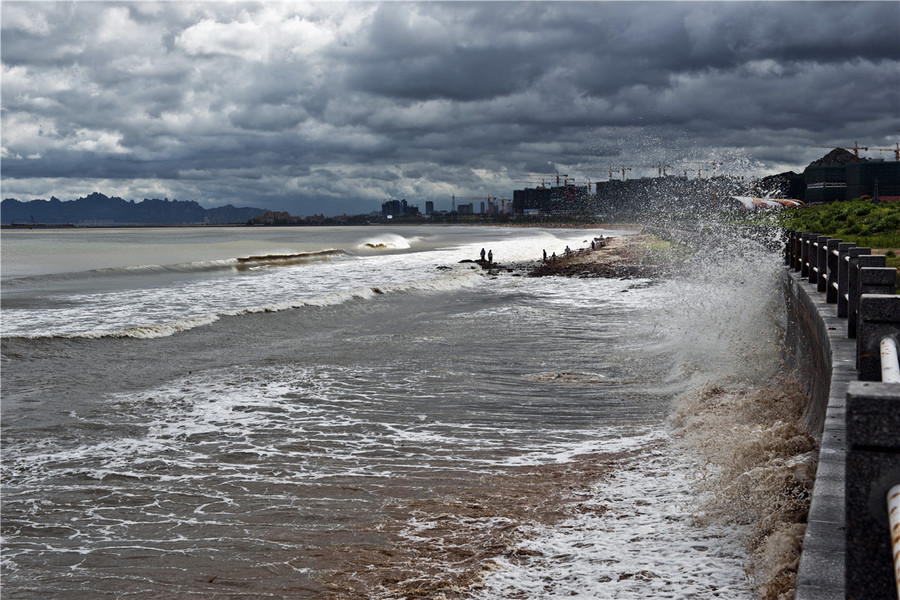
column 333, row 107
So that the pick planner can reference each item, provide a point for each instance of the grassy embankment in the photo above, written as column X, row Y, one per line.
column 857, row 221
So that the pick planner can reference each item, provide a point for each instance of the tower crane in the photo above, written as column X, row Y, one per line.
column 623, row 168
column 895, row 150
column 699, row 166
column 856, row 148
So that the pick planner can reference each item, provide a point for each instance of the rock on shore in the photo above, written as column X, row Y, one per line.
column 627, row 256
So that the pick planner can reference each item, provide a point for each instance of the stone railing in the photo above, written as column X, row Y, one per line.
column 847, row 299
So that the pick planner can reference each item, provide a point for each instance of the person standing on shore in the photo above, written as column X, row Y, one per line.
column 490, row 257
column 482, row 255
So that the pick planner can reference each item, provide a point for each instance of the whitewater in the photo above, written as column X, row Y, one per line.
column 363, row 412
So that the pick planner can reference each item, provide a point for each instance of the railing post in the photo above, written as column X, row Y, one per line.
column 822, row 263
column 879, row 317
column 857, row 255
column 813, row 258
column 804, row 254
column 843, row 278
column 831, row 278
column 873, row 443
column 798, row 250
column 873, row 468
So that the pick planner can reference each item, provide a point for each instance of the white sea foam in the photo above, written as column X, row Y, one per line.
column 633, row 538
column 612, row 440
column 147, row 313
column 387, row 241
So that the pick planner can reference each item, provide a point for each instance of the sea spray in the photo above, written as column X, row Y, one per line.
column 740, row 414
column 755, row 468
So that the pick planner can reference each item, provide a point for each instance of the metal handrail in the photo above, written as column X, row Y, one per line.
column 890, row 365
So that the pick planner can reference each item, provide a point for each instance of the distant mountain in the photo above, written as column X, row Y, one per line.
column 103, row 210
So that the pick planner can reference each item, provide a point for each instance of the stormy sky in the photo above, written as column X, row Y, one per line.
column 336, row 107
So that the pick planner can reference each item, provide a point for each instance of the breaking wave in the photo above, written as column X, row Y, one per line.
column 387, row 241
column 458, row 279
column 756, row 467
column 202, row 266
column 739, row 414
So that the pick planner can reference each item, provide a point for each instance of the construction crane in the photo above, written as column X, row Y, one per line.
column 856, row 148
column 538, row 184
column 623, row 168
column 699, row 166
column 895, row 150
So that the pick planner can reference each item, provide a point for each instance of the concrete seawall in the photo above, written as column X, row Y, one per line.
column 825, row 358
column 842, row 315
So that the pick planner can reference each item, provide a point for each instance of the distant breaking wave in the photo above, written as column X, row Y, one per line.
column 388, row 241
column 274, row 260
column 225, row 264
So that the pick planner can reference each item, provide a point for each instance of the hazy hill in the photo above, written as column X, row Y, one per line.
column 103, row 210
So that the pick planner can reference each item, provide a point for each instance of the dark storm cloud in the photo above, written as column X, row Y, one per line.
column 334, row 107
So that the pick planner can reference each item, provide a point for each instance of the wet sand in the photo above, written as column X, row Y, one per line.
column 443, row 546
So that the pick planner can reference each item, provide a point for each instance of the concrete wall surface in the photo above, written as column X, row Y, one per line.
column 842, row 313
column 821, row 575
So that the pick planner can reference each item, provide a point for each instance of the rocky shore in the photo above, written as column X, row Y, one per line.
column 625, row 256
column 631, row 256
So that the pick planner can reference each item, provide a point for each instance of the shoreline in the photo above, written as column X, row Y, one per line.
column 630, row 256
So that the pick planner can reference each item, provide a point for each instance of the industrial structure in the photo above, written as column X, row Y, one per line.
column 835, row 179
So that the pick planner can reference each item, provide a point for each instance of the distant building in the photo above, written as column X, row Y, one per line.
column 828, row 183
column 429, row 207
column 873, row 178
column 549, row 200
column 825, row 183
column 398, row 208
column 465, row 209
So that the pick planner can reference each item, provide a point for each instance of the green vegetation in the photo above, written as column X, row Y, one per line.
column 876, row 226
column 859, row 221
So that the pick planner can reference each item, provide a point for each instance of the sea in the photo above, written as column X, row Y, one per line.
column 363, row 412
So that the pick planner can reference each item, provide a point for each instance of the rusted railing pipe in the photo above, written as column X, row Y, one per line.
column 890, row 365
column 893, row 502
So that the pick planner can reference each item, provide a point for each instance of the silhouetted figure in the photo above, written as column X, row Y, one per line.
column 490, row 257
column 482, row 254
column 545, row 255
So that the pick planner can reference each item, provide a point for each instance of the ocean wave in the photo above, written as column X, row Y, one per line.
column 281, row 260
column 387, row 241
column 201, row 266
column 457, row 279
